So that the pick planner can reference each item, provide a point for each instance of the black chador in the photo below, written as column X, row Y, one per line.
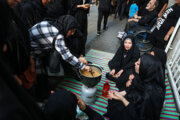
column 81, row 16
column 124, row 60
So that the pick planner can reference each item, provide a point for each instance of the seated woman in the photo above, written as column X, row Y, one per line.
column 124, row 59
column 145, row 99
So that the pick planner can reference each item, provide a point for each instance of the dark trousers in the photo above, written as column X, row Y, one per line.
column 102, row 14
column 120, row 9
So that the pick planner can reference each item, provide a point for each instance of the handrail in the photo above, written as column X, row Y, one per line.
column 173, row 66
column 172, row 36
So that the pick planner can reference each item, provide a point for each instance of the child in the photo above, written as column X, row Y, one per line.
column 133, row 9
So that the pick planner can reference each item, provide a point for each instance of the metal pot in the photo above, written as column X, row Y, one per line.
column 91, row 81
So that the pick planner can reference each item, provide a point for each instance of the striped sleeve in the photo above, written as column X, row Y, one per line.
column 66, row 54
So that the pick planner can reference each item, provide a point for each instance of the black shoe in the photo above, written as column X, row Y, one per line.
column 105, row 28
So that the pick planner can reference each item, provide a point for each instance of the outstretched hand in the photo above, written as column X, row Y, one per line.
column 119, row 73
column 87, row 68
column 80, row 102
column 112, row 72
column 83, row 60
column 115, row 95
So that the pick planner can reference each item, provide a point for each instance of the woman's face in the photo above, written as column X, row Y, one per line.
column 70, row 33
column 127, row 44
column 137, row 64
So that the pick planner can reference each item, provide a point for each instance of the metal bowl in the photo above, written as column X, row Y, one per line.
column 91, row 81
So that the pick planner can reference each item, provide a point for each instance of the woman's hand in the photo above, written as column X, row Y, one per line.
column 128, row 83
column 87, row 68
column 119, row 73
column 131, row 76
column 80, row 102
column 111, row 95
column 112, row 72
column 115, row 95
column 123, row 93
column 83, row 60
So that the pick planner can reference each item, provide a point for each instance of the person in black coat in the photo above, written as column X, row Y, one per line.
column 16, row 37
column 144, row 100
column 62, row 106
column 79, row 10
column 75, row 45
column 33, row 11
column 15, row 103
column 103, row 11
column 123, row 61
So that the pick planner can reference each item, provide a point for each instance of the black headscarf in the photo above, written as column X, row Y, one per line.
column 151, row 70
column 65, row 23
column 119, row 62
column 61, row 106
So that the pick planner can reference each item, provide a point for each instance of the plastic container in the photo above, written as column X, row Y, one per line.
column 106, row 88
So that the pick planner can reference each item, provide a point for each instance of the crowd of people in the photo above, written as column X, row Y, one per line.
column 38, row 36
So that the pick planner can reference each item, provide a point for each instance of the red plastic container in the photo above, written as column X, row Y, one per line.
column 106, row 88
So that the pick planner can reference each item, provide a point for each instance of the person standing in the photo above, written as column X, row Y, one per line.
column 79, row 9
column 103, row 11
column 120, row 8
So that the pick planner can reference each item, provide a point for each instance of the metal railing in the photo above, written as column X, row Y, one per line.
column 173, row 63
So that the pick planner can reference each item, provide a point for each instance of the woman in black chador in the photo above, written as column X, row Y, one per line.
column 62, row 106
column 144, row 99
column 79, row 10
column 123, row 61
